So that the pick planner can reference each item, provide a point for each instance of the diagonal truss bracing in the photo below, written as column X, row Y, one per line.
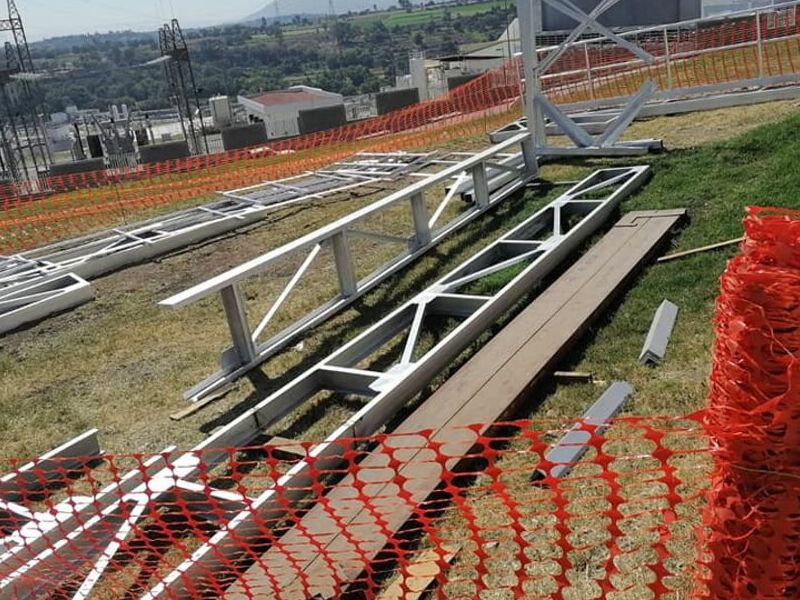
column 91, row 531
column 487, row 178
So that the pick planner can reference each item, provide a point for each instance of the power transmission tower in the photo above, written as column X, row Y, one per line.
column 182, row 84
column 22, row 134
column 331, row 10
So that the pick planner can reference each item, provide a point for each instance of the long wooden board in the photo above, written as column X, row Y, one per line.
column 353, row 526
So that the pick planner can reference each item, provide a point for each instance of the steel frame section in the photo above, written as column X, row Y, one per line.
column 489, row 185
column 31, row 302
column 600, row 114
column 537, row 104
column 542, row 242
column 92, row 529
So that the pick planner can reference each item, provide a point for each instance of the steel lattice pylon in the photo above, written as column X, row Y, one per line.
column 182, row 84
column 22, row 136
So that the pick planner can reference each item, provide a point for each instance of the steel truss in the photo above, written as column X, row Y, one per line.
column 488, row 178
column 182, row 84
column 539, row 107
column 58, row 268
column 596, row 117
column 22, row 135
column 92, row 530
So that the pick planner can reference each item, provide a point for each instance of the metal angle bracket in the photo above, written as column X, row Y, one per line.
column 655, row 345
column 574, row 445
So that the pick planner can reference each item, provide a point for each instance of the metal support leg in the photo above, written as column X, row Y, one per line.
column 419, row 213
column 345, row 267
column 481, row 185
column 668, row 57
column 760, row 42
column 530, row 16
column 236, row 315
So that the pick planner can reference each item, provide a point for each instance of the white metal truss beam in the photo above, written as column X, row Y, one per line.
column 34, row 300
column 487, row 186
column 48, row 280
column 91, row 531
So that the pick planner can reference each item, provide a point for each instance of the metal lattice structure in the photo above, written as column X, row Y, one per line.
column 182, row 85
column 48, row 280
column 23, row 139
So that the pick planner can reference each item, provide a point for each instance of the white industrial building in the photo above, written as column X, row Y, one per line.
column 279, row 110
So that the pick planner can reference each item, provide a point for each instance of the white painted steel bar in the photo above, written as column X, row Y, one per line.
column 627, row 116
column 288, row 290
column 34, row 300
column 50, row 467
column 400, row 385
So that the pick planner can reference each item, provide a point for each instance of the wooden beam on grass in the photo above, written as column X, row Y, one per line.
column 709, row 248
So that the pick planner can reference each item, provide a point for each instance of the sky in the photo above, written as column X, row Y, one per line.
column 49, row 18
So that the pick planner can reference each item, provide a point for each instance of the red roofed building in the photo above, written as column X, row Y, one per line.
column 280, row 110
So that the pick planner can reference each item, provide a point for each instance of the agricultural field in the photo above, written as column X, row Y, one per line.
column 430, row 14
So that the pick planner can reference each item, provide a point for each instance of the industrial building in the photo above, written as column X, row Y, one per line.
column 280, row 110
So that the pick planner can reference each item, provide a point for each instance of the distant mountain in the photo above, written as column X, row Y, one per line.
column 316, row 7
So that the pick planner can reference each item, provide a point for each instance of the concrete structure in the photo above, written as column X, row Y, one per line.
column 626, row 13
column 280, row 110
column 221, row 111
column 719, row 7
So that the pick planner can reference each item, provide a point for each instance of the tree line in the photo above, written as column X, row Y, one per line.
column 349, row 56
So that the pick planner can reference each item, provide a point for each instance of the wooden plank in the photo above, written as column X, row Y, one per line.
column 353, row 525
column 415, row 579
column 708, row 248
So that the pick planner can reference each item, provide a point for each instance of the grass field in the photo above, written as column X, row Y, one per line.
column 432, row 13
column 121, row 363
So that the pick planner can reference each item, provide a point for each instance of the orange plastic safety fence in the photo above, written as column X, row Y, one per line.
column 753, row 520
column 464, row 513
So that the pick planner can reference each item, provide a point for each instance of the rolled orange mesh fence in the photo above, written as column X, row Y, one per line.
column 496, row 520
column 753, row 519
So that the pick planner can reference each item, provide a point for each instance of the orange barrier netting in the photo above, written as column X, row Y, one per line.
column 719, row 52
column 469, row 514
column 753, row 520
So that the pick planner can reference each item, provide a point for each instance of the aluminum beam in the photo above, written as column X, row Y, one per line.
column 495, row 186
column 655, row 345
column 50, row 467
